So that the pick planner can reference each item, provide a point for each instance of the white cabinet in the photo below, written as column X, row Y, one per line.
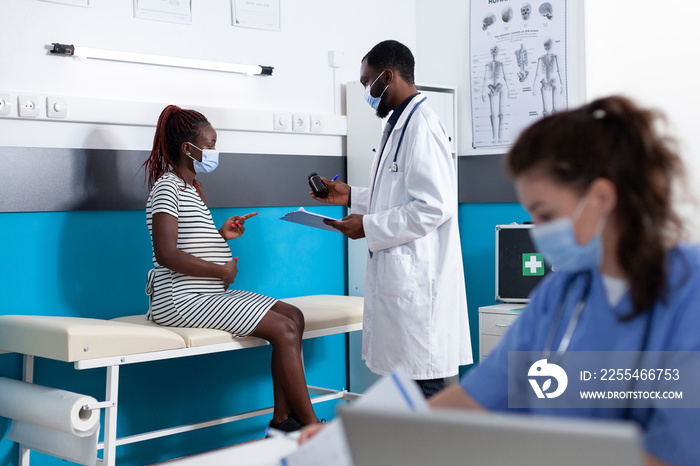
column 494, row 322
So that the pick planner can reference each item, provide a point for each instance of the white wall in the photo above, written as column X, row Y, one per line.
column 648, row 51
column 441, row 55
column 302, row 80
column 640, row 48
column 633, row 47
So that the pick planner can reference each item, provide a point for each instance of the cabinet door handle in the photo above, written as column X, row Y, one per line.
column 502, row 325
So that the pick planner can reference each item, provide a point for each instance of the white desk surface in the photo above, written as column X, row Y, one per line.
column 504, row 307
column 264, row 452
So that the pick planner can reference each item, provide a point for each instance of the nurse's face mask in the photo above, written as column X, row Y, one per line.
column 374, row 101
column 556, row 241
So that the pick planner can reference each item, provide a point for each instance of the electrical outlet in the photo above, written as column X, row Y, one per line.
column 56, row 107
column 281, row 121
column 299, row 122
column 316, row 124
column 28, row 106
column 5, row 104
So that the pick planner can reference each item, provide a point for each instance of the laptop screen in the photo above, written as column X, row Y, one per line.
column 442, row 437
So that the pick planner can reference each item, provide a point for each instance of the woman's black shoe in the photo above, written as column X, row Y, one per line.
column 296, row 419
column 290, row 424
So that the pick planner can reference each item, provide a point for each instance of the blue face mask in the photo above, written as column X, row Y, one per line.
column 210, row 160
column 556, row 241
column 374, row 101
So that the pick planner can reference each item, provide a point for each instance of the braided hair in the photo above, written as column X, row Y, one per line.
column 175, row 126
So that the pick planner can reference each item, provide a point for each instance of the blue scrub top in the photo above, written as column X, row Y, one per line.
column 671, row 434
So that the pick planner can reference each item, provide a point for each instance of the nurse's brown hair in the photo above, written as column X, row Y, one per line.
column 615, row 139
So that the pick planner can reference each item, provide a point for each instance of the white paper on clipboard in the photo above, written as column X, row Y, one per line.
column 310, row 219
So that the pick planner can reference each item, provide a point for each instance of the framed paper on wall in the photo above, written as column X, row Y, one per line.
column 526, row 62
column 256, row 14
column 172, row 11
column 85, row 3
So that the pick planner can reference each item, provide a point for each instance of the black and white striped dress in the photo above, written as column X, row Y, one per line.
column 178, row 300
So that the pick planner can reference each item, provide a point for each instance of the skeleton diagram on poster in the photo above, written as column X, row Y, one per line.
column 518, row 66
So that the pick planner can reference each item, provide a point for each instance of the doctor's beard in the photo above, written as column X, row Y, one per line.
column 382, row 109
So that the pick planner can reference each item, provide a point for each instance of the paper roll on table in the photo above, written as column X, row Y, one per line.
column 48, row 407
column 51, row 421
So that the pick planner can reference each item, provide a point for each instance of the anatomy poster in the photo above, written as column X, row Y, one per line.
column 518, row 66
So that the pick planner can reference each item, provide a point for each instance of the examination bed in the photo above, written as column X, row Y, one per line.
column 92, row 343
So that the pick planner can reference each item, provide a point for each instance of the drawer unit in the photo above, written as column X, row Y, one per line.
column 494, row 322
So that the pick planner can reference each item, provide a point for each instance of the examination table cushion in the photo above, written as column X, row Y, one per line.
column 320, row 312
column 327, row 311
column 73, row 339
column 193, row 337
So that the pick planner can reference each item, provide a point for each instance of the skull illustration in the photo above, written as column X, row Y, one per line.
column 546, row 10
column 488, row 21
column 525, row 11
column 507, row 14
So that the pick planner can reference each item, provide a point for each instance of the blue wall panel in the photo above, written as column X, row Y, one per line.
column 477, row 227
column 94, row 264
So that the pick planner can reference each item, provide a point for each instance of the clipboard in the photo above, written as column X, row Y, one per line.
column 310, row 219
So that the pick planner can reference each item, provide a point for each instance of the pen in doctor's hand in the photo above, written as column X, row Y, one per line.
column 335, row 177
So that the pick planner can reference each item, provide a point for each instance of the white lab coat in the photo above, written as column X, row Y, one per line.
column 415, row 312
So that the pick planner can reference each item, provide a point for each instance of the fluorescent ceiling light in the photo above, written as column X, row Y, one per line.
column 79, row 52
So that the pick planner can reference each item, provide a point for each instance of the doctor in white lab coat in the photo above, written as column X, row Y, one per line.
column 415, row 312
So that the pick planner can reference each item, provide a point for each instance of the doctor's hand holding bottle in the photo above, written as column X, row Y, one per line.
column 339, row 194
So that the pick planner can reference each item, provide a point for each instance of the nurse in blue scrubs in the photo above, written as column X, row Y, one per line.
column 598, row 183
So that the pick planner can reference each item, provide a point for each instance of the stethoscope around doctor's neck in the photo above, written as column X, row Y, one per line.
column 394, row 166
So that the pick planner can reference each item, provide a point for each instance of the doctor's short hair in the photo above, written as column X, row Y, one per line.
column 615, row 139
column 392, row 54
